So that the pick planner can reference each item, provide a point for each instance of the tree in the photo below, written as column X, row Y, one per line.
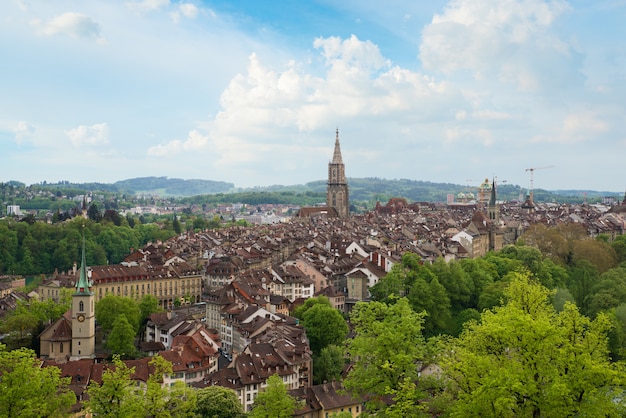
column 218, row 402
column 148, row 304
column 29, row 390
column 121, row 340
column 324, row 326
column 299, row 311
column 329, row 364
column 274, row 401
column 597, row 252
column 386, row 350
column 117, row 396
column 111, row 306
column 93, row 213
column 608, row 292
column 526, row 360
column 433, row 299
column 165, row 402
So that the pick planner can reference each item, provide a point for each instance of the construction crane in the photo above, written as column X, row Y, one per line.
column 532, row 172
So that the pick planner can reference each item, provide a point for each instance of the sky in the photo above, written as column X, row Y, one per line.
column 252, row 92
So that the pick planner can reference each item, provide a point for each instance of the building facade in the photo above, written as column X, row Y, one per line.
column 337, row 188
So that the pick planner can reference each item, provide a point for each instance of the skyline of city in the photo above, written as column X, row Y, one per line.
column 252, row 92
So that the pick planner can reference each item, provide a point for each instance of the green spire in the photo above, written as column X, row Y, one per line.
column 82, row 285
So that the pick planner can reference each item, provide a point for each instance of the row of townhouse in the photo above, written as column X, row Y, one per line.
column 160, row 273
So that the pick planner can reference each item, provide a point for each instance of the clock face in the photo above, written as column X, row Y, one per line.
column 80, row 318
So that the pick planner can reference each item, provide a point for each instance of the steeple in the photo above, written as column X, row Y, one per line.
column 83, row 287
column 337, row 194
column 492, row 200
column 493, row 210
column 83, row 314
column 337, row 153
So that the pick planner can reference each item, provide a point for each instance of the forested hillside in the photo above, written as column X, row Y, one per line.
column 369, row 189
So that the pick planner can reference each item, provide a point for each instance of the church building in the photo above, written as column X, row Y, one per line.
column 73, row 336
column 337, row 195
column 337, row 188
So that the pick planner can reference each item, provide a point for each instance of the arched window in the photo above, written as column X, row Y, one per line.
column 81, row 306
column 61, row 347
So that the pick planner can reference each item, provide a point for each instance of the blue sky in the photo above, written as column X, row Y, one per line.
column 251, row 92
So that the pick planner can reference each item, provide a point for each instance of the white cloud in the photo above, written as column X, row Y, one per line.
column 194, row 141
column 188, row 10
column 581, row 126
column 145, row 6
column 265, row 109
column 74, row 25
column 511, row 41
column 94, row 135
column 23, row 130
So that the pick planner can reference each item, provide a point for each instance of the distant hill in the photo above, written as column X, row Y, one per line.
column 164, row 186
column 155, row 186
column 368, row 189
column 376, row 189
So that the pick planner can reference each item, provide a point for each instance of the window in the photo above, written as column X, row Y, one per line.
column 61, row 347
column 81, row 306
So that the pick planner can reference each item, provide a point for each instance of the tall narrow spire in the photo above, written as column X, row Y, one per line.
column 82, row 284
column 337, row 153
column 492, row 200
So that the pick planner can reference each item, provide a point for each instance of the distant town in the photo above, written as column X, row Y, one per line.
column 227, row 280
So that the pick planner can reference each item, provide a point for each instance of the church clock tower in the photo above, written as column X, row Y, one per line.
column 337, row 188
column 83, row 315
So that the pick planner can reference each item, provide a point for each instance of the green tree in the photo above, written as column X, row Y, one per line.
column 165, row 402
column 112, row 306
column 274, row 401
column 29, row 390
column 299, row 311
column 386, row 350
column 93, row 213
column 433, row 299
column 619, row 246
column 526, row 360
column 148, row 304
column 218, row 402
column 121, row 340
column 117, row 396
column 608, row 292
column 329, row 364
column 324, row 326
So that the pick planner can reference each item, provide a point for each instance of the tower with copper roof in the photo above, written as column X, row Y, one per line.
column 83, row 315
column 337, row 188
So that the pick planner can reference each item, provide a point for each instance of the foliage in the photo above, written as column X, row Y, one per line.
column 148, row 305
column 29, row 390
column 121, row 340
column 508, row 365
column 324, row 324
column 274, row 401
column 28, row 317
column 328, row 365
column 117, row 396
column 218, row 402
column 40, row 247
column 386, row 350
column 165, row 402
column 110, row 307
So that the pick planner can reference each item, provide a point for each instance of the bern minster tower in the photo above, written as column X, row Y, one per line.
column 337, row 189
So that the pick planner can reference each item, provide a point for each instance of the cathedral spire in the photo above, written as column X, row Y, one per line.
column 82, row 285
column 337, row 153
column 492, row 200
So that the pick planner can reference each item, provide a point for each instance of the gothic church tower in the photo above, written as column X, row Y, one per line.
column 337, row 188
column 83, row 315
